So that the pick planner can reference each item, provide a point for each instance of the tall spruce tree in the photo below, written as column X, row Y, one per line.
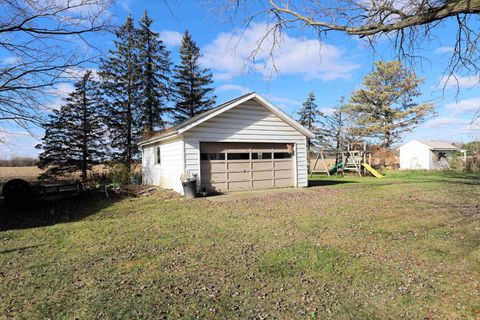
column 307, row 115
column 154, row 88
column 120, row 75
column 384, row 108
column 74, row 134
column 192, row 83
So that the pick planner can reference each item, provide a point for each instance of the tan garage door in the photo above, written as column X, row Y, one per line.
column 242, row 166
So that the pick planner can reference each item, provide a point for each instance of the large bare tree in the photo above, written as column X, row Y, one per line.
column 42, row 42
column 407, row 23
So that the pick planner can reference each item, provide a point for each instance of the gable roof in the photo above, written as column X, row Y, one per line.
column 435, row 144
column 438, row 145
column 200, row 118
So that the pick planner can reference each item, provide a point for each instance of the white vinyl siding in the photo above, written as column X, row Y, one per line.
column 248, row 122
column 166, row 173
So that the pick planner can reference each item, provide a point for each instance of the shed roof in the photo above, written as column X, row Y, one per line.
column 438, row 145
column 187, row 124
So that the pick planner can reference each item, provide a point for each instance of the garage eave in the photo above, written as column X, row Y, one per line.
column 158, row 139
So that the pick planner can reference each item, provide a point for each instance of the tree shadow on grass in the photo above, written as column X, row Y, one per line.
column 317, row 183
column 41, row 213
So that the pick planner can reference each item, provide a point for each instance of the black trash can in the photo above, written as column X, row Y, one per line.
column 189, row 189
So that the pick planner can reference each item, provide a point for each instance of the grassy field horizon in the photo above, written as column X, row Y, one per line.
column 406, row 246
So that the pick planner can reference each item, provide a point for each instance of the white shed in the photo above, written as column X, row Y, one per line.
column 245, row 143
column 426, row 154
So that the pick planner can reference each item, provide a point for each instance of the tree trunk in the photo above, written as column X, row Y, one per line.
column 129, row 117
column 84, row 163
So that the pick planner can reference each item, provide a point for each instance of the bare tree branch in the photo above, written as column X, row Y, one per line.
column 41, row 42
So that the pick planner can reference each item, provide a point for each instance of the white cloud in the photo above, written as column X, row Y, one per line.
column 171, row 38
column 230, row 55
column 77, row 72
column 222, row 76
column 327, row 111
column 444, row 49
column 472, row 127
column 448, row 127
column 79, row 12
column 125, row 4
column 233, row 87
column 62, row 89
column 18, row 143
column 457, row 81
column 282, row 102
column 58, row 94
column 443, row 122
column 464, row 106
column 11, row 60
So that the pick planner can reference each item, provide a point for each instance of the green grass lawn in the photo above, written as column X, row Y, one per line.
column 407, row 246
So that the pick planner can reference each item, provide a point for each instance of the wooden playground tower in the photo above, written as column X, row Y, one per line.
column 349, row 160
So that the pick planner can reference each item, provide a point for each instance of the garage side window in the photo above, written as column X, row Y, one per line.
column 157, row 155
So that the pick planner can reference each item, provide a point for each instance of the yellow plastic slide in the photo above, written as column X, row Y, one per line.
column 372, row 171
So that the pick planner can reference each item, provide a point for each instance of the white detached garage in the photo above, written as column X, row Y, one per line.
column 245, row 143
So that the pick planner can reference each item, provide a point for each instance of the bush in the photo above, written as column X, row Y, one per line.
column 118, row 174
column 473, row 164
column 455, row 161
column 385, row 157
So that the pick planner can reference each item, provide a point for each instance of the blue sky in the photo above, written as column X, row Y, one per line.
column 331, row 69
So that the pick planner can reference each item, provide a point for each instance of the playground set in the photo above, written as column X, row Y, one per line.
column 350, row 160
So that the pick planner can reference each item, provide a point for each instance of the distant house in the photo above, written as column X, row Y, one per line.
column 426, row 154
column 245, row 143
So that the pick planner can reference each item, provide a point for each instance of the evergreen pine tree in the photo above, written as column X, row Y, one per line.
column 384, row 108
column 308, row 113
column 192, row 83
column 120, row 76
column 74, row 134
column 155, row 71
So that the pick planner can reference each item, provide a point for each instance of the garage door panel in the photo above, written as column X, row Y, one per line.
column 283, row 164
column 283, row 182
column 283, row 174
column 209, row 167
column 238, row 166
column 217, row 177
column 262, row 165
column 215, row 187
column 239, row 185
column 238, row 176
column 262, row 184
column 262, row 175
